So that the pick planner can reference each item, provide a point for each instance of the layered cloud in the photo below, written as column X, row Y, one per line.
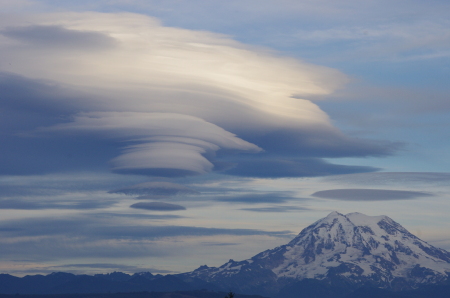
column 167, row 144
column 160, row 101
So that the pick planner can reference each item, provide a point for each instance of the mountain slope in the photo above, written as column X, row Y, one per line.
column 343, row 250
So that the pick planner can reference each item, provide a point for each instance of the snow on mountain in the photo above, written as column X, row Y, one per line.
column 353, row 249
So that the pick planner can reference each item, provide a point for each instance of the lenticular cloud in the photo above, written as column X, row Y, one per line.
column 165, row 144
column 171, row 98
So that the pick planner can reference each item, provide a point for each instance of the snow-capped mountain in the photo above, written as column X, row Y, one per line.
column 352, row 250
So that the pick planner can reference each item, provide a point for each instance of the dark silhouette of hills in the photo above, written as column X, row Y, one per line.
column 179, row 294
column 66, row 283
column 146, row 285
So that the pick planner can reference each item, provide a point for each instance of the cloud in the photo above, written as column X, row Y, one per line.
column 160, row 101
column 173, row 144
column 158, row 206
column 72, row 186
column 108, row 227
column 281, row 166
column 393, row 178
column 104, row 236
column 156, row 217
column 271, row 197
column 277, row 209
column 218, row 243
column 155, row 189
column 369, row 194
column 30, row 103
column 57, row 36
column 21, row 204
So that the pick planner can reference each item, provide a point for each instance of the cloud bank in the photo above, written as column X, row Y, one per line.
column 123, row 90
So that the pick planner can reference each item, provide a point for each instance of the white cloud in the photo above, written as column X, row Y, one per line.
column 174, row 96
column 152, row 61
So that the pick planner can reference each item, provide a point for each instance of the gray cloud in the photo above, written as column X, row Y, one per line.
column 156, row 188
column 58, row 36
column 303, row 142
column 156, row 217
column 30, row 103
column 393, row 178
column 102, row 227
column 369, row 194
column 50, row 185
column 27, row 103
column 277, row 209
column 52, row 248
column 39, row 204
column 219, row 243
column 153, row 197
column 258, row 198
column 101, row 235
column 138, row 232
column 157, row 206
column 283, row 166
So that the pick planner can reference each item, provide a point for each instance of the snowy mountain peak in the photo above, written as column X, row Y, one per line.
column 357, row 248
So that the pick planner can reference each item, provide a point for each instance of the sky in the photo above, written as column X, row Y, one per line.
column 164, row 135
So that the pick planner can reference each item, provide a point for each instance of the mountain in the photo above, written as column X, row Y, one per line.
column 339, row 254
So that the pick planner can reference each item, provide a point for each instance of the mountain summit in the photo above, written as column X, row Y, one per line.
column 351, row 250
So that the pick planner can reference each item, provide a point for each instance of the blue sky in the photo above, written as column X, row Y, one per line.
column 164, row 135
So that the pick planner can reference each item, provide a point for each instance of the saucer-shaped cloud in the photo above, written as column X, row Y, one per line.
column 170, row 144
column 369, row 194
column 162, row 101
column 158, row 206
column 156, row 189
